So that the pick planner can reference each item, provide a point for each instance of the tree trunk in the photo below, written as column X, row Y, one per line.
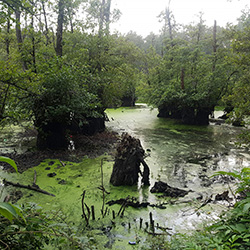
column 107, row 16
column 19, row 37
column 3, row 96
column 33, row 53
column 51, row 136
column 214, row 44
column 18, row 29
column 46, row 33
column 7, row 40
column 104, row 18
column 215, row 37
column 71, row 24
column 182, row 79
column 170, row 28
column 59, row 33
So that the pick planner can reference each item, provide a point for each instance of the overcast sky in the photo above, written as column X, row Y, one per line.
column 141, row 15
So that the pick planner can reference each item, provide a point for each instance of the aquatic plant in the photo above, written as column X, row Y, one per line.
column 8, row 210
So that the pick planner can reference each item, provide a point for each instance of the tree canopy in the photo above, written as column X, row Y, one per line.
column 59, row 66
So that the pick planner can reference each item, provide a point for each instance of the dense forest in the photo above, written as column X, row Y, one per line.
column 61, row 67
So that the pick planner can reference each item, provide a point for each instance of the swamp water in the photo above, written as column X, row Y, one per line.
column 183, row 156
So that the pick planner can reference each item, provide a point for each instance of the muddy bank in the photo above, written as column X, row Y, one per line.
column 90, row 146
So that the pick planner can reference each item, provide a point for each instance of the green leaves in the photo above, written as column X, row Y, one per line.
column 7, row 210
column 233, row 229
column 233, row 174
column 9, row 161
column 63, row 93
column 10, row 211
column 188, row 82
column 38, row 229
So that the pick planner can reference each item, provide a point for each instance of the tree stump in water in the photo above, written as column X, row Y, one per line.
column 128, row 158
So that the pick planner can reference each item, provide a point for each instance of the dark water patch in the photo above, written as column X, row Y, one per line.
column 51, row 174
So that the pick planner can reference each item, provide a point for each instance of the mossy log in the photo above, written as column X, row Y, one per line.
column 129, row 156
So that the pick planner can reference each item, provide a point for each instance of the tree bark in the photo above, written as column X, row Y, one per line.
column 71, row 24
column 182, row 79
column 4, row 95
column 33, row 53
column 59, row 33
column 101, row 22
column 126, row 169
column 18, row 29
column 214, row 44
column 215, row 37
column 46, row 33
column 170, row 28
column 7, row 40
column 19, row 37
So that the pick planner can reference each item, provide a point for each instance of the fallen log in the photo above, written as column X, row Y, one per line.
column 162, row 187
column 33, row 187
column 128, row 202
column 223, row 196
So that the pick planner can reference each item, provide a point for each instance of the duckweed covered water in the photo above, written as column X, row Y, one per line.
column 183, row 156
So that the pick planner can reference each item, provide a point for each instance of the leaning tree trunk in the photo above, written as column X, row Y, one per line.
column 127, row 163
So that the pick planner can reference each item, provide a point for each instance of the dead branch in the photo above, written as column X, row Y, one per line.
column 33, row 188
column 63, row 164
column 34, row 181
column 83, row 211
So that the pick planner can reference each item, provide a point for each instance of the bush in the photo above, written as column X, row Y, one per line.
column 39, row 230
column 63, row 100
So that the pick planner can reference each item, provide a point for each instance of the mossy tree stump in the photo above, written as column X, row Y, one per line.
column 128, row 158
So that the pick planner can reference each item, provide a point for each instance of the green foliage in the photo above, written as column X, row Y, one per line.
column 10, row 211
column 189, row 78
column 40, row 230
column 15, row 88
column 238, row 95
column 63, row 93
column 232, row 231
column 243, row 177
column 113, row 64
column 100, row 70
column 9, row 161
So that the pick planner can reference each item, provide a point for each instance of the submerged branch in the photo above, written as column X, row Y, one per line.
column 34, row 187
column 83, row 211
